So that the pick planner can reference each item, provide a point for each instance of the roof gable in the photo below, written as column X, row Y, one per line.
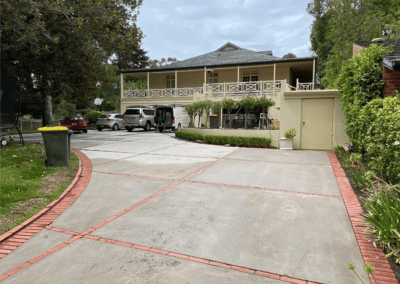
column 228, row 46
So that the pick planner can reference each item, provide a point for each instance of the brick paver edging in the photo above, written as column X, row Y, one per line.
column 383, row 272
column 12, row 239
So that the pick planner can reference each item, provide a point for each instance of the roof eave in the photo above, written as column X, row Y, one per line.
column 311, row 58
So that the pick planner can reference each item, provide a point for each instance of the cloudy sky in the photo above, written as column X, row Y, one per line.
column 187, row 28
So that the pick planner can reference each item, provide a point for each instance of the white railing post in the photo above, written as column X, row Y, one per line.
column 297, row 84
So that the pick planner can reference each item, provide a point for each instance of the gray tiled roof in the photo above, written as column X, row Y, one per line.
column 390, row 60
column 396, row 48
column 222, row 57
column 233, row 56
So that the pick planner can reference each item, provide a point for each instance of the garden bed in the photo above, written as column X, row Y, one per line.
column 361, row 179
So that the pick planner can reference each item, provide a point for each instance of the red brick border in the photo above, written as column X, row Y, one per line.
column 383, row 271
column 75, row 236
column 20, row 234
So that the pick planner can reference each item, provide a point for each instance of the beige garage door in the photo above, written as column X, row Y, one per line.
column 317, row 124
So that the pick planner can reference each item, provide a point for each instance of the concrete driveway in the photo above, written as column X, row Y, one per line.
column 162, row 210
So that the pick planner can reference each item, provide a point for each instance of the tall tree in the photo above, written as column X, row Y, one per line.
column 289, row 55
column 56, row 47
column 340, row 23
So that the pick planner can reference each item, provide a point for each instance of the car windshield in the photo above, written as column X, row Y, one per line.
column 131, row 111
column 104, row 116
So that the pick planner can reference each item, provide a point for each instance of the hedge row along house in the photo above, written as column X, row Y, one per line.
column 235, row 72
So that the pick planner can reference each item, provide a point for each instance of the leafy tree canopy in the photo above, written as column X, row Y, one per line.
column 289, row 55
column 57, row 47
column 340, row 23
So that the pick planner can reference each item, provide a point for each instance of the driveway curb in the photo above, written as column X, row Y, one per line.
column 12, row 239
column 383, row 271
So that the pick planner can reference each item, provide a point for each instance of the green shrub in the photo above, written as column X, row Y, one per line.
column 380, row 126
column 92, row 116
column 359, row 82
column 191, row 136
column 238, row 141
column 382, row 216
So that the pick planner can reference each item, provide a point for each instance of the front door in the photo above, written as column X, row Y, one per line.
column 317, row 124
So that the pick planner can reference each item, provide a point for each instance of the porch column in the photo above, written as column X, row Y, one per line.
column 273, row 92
column 238, row 75
column 176, row 83
column 313, row 75
column 148, row 84
column 122, row 85
column 205, row 80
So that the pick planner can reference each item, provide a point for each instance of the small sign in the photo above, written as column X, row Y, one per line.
column 98, row 101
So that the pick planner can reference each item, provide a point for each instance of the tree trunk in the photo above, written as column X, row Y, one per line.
column 198, row 124
column 230, row 121
column 245, row 119
column 262, row 127
column 46, row 106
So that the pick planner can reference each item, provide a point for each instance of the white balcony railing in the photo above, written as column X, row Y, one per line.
column 244, row 87
column 162, row 93
column 218, row 89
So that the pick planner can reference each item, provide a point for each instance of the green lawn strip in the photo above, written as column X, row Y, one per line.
column 22, row 171
column 13, row 132
column 50, row 198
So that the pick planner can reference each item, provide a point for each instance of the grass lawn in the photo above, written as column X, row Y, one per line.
column 13, row 132
column 27, row 186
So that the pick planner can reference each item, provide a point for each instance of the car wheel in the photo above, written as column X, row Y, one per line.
column 148, row 126
column 99, row 128
column 84, row 130
column 161, row 129
column 115, row 127
column 129, row 129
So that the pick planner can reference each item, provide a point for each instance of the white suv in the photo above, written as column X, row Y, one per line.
column 138, row 117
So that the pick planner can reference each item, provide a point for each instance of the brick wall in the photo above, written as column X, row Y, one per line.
column 392, row 82
column 356, row 49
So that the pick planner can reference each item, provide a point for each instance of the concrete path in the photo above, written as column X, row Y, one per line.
column 162, row 210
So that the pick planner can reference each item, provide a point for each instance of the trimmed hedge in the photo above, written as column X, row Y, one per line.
column 189, row 135
column 232, row 140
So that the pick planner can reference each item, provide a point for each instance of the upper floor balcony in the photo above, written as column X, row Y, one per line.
column 225, row 89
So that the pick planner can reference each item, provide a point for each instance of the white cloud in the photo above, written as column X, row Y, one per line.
column 186, row 10
column 291, row 19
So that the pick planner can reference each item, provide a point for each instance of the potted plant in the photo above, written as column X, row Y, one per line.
column 286, row 143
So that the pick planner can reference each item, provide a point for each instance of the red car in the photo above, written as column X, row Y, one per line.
column 76, row 123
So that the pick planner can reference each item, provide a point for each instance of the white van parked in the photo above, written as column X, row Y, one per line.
column 171, row 117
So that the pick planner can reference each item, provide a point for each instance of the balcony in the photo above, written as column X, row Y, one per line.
column 220, row 89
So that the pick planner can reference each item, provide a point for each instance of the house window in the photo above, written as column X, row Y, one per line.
column 212, row 77
column 250, row 76
column 170, row 81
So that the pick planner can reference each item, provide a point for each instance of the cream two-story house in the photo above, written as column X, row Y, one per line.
column 228, row 72
column 235, row 72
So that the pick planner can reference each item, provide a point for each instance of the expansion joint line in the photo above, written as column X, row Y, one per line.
column 70, row 200
column 133, row 155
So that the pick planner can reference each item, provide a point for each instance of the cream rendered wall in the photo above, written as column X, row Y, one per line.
column 190, row 79
column 158, row 80
column 340, row 137
column 290, row 117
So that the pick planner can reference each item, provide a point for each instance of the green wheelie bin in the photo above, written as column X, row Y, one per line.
column 57, row 142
